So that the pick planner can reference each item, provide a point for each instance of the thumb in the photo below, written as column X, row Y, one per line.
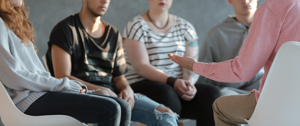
column 185, row 87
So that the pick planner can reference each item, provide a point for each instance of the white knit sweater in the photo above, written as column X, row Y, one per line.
column 23, row 74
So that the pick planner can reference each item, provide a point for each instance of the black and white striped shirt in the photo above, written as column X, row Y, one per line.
column 159, row 45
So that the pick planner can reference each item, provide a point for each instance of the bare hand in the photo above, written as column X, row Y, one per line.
column 106, row 91
column 185, row 62
column 190, row 94
column 180, row 87
column 127, row 95
column 82, row 90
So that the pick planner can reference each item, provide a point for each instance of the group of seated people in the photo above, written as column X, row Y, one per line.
column 149, row 74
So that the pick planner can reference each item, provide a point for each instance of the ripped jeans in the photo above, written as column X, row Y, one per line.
column 145, row 112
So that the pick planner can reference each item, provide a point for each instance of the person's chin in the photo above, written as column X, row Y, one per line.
column 163, row 9
column 98, row 14
column 101, row 13
column 17, row 4
column 246, row 12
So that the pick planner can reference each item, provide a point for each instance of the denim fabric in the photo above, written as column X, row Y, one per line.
column 199, row 108
column 145, row 112
column 88, row 108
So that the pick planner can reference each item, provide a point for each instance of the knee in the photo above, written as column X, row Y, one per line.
column 208, row 91
column 165, row 116
column 164, row 109
column 166, row 90
column 125, row 108
column 218, row 104
column 113, row 109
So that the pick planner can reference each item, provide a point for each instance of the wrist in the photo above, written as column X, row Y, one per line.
column 93, row 91
column 126, row 88
column 171, row 81
column 192, row 67
column 191, row 80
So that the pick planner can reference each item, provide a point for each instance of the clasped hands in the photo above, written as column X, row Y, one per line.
column 185, row 89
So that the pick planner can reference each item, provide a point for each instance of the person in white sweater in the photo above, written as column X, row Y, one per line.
column 33, row 90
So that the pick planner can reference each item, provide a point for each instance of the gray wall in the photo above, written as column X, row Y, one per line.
column 203, row 14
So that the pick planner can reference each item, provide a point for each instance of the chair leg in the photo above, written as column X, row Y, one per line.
column 187, row 122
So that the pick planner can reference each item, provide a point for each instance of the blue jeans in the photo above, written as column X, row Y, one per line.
column 88, row 108
column 145, row 112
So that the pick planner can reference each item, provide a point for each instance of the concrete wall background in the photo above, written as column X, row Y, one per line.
column 203, row 14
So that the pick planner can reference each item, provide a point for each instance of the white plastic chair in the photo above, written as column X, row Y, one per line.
column 279, row 101
column 45, row 62
column 11, row 116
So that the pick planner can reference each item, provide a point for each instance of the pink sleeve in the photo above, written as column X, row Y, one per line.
column 254, row 54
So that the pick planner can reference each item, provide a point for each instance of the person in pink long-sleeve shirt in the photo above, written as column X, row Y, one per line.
column 275, row 22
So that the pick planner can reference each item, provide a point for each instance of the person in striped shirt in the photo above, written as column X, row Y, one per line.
column 148, row 38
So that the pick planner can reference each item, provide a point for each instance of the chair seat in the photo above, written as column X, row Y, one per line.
column 12, row 116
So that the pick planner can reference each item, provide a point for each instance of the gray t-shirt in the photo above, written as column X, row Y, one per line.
column 223, row 42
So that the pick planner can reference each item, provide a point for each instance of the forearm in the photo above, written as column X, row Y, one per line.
column 190, row 76
column 121, row 82
column 191, row 51
column 151, row 73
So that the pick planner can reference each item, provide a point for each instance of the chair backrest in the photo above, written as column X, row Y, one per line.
column 279, row 101
column 12, row 116
column 7, row 107
column 45, row 62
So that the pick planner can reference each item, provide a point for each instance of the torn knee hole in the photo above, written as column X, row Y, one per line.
column 164, row 109
column 139, row 95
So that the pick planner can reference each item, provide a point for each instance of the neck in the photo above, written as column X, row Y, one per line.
column 245, row 19
column 89, row 21
column 159, row 18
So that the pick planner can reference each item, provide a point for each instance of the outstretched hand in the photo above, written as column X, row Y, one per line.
column 185, row 62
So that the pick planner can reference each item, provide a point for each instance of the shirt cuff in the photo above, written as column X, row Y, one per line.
column 82, row 85
column 74, row 87
column 198, row 68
